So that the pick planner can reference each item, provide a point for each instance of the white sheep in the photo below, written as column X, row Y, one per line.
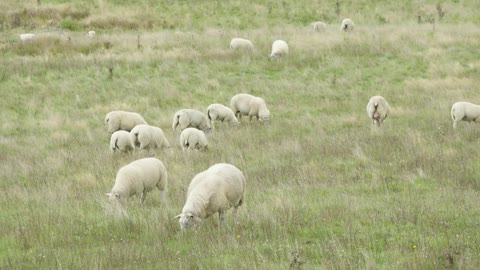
column 279, row 49
column 378, row 109
column 347, row 25
column 91, row 34
column 219, row 112
column 319, row 27
column 241, row 44
column 190, row 118
column 245, row 104
column 27, row 37
column 145, row 136
column 192, row 138
column 219, row 188
column 139, row 177
column 465, row 111
column 121, row 141
column 122, row 120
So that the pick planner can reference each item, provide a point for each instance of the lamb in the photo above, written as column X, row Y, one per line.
column 465, row 111
column 146, row 136
column 122, row 120
column 192, row 138
column 279, row 49
column 91, row 34
column 27, row 37
column 219, row 188
column 139, row 177
column 245, row 104
column 190, row 118
column 319, row 27
column 347, row 25
column 378, row 109
column 241, row 44
column 121, row 141
column 221, row 113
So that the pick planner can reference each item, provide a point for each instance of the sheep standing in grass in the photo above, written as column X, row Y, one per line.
column 190, row 118
column 192, row 138
column 347, row 25
column 91, row 34
column 319, row 27
column 122, row 120
column 139, row 177
column 378, row 109
column 245, row 104
column 27, row 37
column 279, row 49
column 465, row 111
column 145, row 137
column 241, row 44
column 121, row 141
column 219, row 188
column 219, row 112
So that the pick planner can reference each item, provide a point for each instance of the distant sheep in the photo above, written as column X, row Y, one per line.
column 378, row 109
column 190, row 118
column 145, row 137
column 91, row 34
column 139, row 177
column 27, row 37
column 219, row 188
column 279, row 49
column 219, row 112
column 319, row 27
column 122, row 120
column 465, row 111
column 347, row 25
column 192, row 138
column 245, row 104
column 120, row 141
column 241, row 44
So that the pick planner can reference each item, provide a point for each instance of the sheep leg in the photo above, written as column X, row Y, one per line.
column 142, row 197
column 235, row 214
column 221, row 218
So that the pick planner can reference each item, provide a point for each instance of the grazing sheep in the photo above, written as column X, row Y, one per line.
column 219, row 112
column 139, row 177
column 121, row 120
column 219, row 188
column 279, row 49
column 192, row 138
column 377, row 109
column 241, row 44
column 121, row 141
column 465, row 111
column 319, row 27
column 91, row 34
column 347, row 25
column 27, row 37
column 245, row 104
column 190, row 118
column 146, row 136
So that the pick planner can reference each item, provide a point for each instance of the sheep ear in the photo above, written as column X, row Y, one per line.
column 108, row 194
column 178, row 216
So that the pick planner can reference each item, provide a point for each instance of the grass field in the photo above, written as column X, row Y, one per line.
column 324, row 189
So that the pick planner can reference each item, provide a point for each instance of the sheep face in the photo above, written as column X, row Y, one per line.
column 188, row 220
column 264, row 115
column 115, row 198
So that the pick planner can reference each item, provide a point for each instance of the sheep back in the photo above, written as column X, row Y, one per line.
column 146, row 136
column 121, row 141
column 122, row 120
column 185, row 118
column 241, row 44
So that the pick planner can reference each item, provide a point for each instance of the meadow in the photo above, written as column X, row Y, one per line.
column 325, row 190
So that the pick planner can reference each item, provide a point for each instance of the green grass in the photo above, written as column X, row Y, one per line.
column 324, row 190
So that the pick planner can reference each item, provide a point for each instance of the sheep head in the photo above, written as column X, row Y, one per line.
column 187, row 220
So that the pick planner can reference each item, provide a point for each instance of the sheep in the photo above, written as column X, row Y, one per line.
column 245, row 104
column 241, row 44
column 347, row 25
column 279, row 49
column 27, row 37
column 139, row 177
column 192, row 138
column 190, row 118
column 219, row 188
column 146, row 136
column 122, row 120
column 378, row 109
column 91, row 34
column 121, row 141
column 465, row 111
column 221, row 113
column 319, row 27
